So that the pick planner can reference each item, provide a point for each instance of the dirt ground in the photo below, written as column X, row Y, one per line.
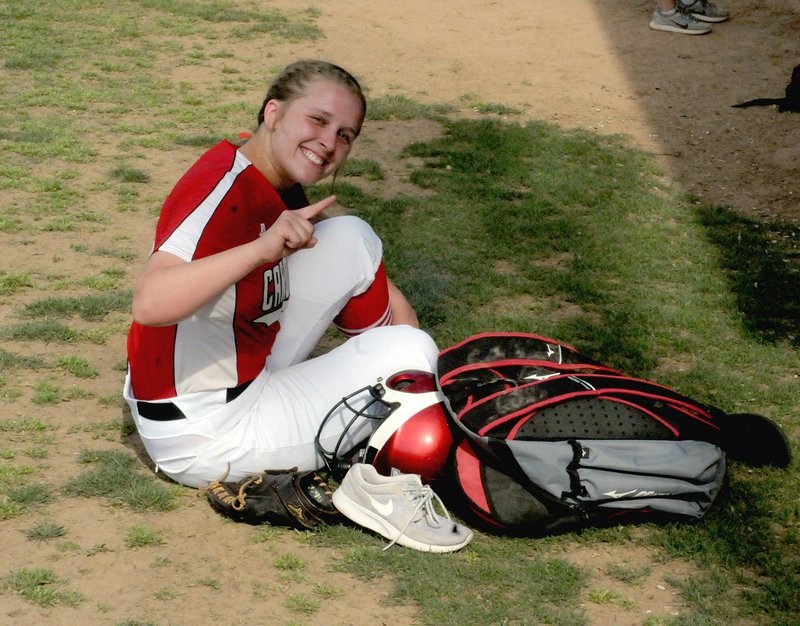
column 580, row 64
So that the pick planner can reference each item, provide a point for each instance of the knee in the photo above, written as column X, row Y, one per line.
column 350, row 234
column 403, row 347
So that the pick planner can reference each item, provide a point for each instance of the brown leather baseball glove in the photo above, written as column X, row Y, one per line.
column 284, row 497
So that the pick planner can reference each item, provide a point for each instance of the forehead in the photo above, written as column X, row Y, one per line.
column 332, row 98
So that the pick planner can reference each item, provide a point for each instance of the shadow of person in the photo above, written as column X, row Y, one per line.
column 791, row 102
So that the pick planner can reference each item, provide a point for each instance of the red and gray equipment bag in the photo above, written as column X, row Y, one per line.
column 549, row 439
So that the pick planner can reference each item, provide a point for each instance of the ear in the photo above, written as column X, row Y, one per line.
column 272, row 111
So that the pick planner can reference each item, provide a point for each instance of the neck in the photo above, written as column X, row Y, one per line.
column 255, row 149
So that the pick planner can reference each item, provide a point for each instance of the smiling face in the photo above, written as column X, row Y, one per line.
column 309, row 136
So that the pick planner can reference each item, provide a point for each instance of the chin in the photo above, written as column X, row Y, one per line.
column 312, row 177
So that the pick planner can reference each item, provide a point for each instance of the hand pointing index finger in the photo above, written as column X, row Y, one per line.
column 312, row 210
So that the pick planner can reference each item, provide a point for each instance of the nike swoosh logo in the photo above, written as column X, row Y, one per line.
column 613, row 493
column 384, row 508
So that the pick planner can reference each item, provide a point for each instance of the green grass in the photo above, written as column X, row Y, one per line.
column 143, row 537
column 90, row 307
column 45, row 531
column 40, row 586
column 366, row 168
column 77, row 366
column 763, row 265
column 13, row 283
column 397, row 107
column 570, row 235
column 9, row 360
column 118, row 477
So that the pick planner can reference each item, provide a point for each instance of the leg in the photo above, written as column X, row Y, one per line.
column 323, row 280
column 274, row 423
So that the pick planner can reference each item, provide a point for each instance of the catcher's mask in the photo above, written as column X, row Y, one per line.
column 398, row 423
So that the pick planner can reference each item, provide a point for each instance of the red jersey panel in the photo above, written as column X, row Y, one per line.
column 221, row 202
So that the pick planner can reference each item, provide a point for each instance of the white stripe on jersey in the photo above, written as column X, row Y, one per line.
column 213, row 364
column 183, row 241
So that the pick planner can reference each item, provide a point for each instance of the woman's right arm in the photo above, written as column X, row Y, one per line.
column 170, row 289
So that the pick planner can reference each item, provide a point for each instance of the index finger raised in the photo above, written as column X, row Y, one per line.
column 312, row 210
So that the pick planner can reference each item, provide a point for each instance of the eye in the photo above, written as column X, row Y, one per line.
column 345, row 136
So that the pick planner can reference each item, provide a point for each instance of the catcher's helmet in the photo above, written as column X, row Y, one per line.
column 398, row 423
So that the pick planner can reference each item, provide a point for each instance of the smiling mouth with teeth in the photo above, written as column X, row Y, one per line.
column 312, row 157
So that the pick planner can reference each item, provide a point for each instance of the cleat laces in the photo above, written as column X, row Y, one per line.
column 424, row 498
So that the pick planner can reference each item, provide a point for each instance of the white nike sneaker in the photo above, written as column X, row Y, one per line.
column 400, row 508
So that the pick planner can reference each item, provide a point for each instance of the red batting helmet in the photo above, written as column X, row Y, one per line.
column 399, row 423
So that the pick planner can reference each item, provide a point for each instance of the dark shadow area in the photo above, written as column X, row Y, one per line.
column 789, row 102
column 763, row 263
column 744, row 158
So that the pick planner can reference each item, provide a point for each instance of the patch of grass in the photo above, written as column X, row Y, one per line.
column 496, row 108
column 300, row 603
column 45, row 531
column 45, row 137
column 46, row 331
column 506, row 572
column 10, row 509
column 289, row 561
column 90, row 307
column 710, row 598
column 365, row 168
column 606, row 596
column 211, row 583
column 77, row 366
column 398, row 107
column 762, row 262
column 46, row 392
column 115, row 476
column 326, row 592
column 128, row 174
column 39, row 587
column 143, row 537
column 489, row 108
column 9, row 360
column 37, row 452
column 198, row 141
column 124, row 255
column 109, row 279
column 265, row 533
column 109, row 430
column 164, row 594
column 23, row 425
column 30, row 495
column 628, row 574
column 13, row 283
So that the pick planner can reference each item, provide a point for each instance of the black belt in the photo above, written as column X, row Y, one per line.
column 168, row 411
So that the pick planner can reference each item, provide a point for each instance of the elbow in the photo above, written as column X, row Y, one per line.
column 141, row 313
column 145, row 312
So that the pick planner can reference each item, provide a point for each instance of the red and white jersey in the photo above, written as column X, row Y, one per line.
column 222, row 201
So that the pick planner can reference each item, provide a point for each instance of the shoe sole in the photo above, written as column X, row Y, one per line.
column 676, row 29
column 374, row 522
column 707, row 18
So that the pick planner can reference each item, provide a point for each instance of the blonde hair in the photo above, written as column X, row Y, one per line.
column 291, row 83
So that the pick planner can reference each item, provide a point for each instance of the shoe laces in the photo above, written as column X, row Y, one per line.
column 423, row 498
column 684, row 9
